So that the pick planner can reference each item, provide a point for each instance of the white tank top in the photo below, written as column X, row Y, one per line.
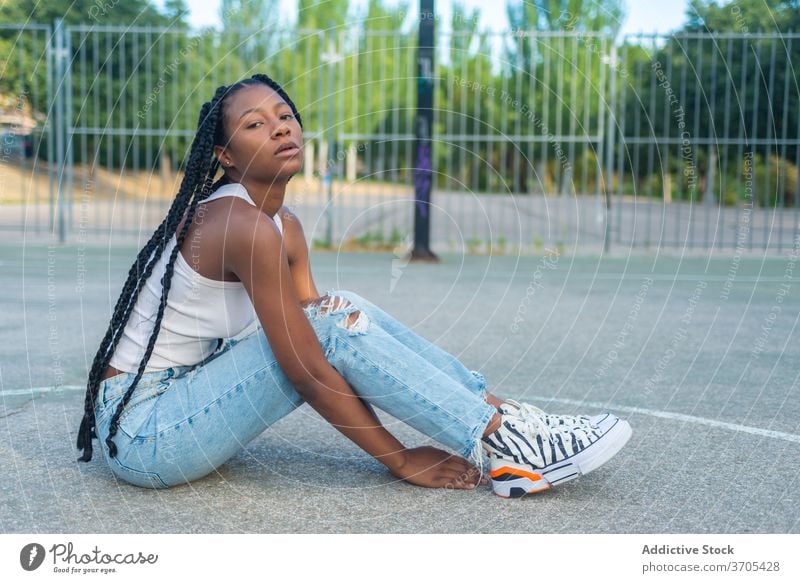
column 198, row 313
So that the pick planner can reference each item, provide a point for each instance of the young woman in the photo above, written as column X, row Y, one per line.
column 179, row 386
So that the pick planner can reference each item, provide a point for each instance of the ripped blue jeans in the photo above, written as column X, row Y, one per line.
column 182, row 423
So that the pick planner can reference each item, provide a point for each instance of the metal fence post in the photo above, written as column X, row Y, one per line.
column 610, row 142
column 330, row 57
column 423, row 162
column 67, row 128
column 59, row 56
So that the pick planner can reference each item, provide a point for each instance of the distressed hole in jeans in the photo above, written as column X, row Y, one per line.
column 356, row 321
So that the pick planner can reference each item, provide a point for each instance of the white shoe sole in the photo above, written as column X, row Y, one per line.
column 512, row 480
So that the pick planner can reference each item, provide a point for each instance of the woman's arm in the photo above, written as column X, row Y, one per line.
column 294, row 240
column 297, row 255
column 254, row 251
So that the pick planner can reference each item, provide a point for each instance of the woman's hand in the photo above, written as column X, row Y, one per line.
column 433, row 468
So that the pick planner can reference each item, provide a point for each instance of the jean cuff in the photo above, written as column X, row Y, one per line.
column 474, row 451
column 481, row 382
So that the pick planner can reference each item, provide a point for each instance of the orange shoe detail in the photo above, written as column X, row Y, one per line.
column 515, row 472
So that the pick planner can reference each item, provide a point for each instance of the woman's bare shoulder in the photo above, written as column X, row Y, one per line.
column 236, row 225
column 288, row 215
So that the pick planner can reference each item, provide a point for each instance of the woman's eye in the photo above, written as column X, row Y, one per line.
column 252, row 125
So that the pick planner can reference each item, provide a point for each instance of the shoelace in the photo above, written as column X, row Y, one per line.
column 528, row 409
column 534, row 420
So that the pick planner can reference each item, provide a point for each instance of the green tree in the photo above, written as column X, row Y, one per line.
column 738, row 93
column 582, row 15
column 138, row 12
column 742, row 16
column 318, row 14
column 561, row 81
column 106, row 68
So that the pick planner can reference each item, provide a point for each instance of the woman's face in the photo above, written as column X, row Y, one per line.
column 257, row 121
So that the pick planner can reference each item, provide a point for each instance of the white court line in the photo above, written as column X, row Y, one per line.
column 791, row 437
column 36, row 390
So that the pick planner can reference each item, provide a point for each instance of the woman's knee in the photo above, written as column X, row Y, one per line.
column 342, row 309
column 348, row 295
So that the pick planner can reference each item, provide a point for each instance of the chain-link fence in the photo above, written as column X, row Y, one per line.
column 558, row 139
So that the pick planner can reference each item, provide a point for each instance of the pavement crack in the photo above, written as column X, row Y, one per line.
column 15, row 411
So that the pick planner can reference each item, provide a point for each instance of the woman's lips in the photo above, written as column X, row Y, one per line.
column 288, row 152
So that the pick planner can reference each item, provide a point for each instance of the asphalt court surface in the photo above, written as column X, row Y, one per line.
column 700, row 355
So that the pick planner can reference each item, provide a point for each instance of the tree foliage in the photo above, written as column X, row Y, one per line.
column 516, row 103
column 727, row 88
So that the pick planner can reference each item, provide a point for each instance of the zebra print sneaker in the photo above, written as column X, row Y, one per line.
column 527, row 455
column 601, row 422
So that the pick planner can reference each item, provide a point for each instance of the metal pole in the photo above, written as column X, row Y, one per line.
column 610, row 135
column 60, row 56
column 51, row 134
column 330, row 57
column 69, row 158
column 423, row 171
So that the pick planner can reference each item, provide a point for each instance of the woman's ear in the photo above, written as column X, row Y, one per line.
column 223, row 157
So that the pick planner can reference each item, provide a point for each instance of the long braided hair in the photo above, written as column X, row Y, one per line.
column 197, row 184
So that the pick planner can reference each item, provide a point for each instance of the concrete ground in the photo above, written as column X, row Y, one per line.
column 701, row 356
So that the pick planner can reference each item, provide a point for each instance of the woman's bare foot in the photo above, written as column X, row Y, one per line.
column 492, row 400
column 493, row 425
